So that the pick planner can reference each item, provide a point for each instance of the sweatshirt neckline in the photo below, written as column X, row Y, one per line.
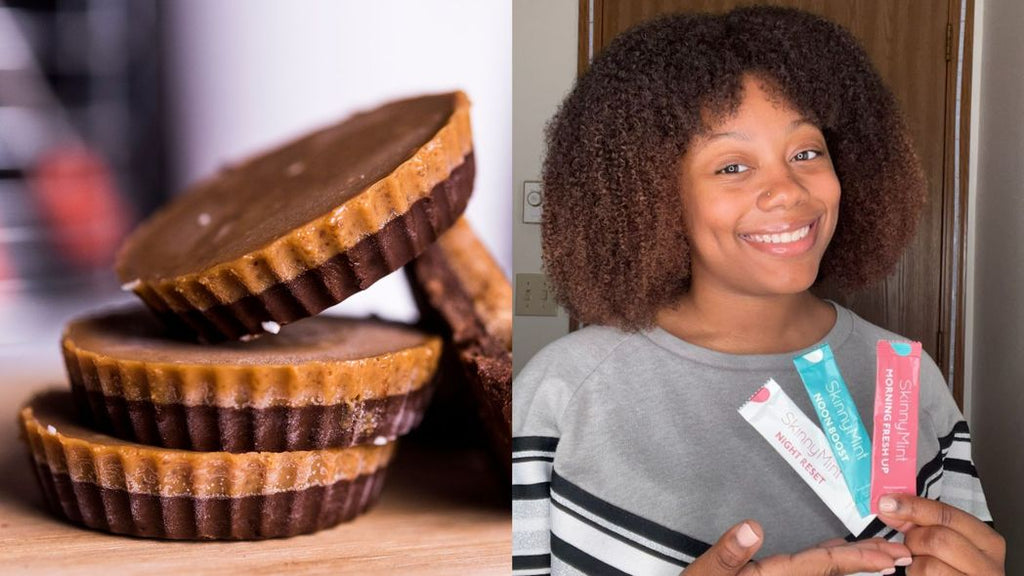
column 835, row 338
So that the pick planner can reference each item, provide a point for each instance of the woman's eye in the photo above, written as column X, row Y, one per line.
column 807, row 155
column 733, row 169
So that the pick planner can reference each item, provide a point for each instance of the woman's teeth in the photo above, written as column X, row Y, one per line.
column 783, row 238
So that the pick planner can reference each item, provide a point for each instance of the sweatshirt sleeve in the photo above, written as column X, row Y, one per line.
column 539, row 396
column 952, row 478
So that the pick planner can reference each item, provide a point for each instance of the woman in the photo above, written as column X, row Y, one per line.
column 701, row 177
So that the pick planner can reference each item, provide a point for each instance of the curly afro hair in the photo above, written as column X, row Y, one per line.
column 613, row 241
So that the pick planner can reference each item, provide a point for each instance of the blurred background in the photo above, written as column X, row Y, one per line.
column 108, row 108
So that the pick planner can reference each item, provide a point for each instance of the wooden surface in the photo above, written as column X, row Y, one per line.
column 442, row 512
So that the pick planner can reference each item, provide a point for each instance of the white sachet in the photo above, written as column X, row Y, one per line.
column 803, row 445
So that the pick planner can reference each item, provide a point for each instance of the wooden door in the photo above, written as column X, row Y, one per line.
column 914, row 47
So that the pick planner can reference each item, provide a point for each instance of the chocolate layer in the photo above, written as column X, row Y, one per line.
column 252, row 204
column 277, row 515
column 446, row 307
column 399, row 241
column 489, row 370
column 57, row 440
column 273, row 429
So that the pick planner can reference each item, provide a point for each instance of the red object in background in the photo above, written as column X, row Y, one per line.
column 6, row 270
column 78, row 201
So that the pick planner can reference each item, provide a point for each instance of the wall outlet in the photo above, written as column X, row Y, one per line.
column 533, row 297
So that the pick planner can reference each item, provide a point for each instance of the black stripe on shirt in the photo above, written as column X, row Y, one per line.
column 538, row 491
column 960, row 466
column 932, row 482
column 933, row 471
column 533, row 459
column 877, row 529
column 958, row 428
column 580, row 560
column 620, row 517
column 535, row 562
column 534, row 444
column 621, row 538
column 930, row 468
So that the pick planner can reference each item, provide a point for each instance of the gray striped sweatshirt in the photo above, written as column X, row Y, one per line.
column 629, row 456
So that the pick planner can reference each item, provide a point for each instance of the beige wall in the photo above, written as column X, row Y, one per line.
column 997, row 342
column 544, row 67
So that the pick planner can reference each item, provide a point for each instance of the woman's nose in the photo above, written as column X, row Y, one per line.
column 783, row 189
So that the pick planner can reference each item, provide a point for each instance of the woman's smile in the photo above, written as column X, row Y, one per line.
column 784, row 239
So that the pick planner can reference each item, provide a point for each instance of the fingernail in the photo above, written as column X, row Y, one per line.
column 905, row 561
column 887, row 504
column 889, row 571
column 746, row 536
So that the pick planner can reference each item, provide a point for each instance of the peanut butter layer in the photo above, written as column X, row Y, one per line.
column 322, row 361
column 268, row 220
column 64, row 448
column 481, row 278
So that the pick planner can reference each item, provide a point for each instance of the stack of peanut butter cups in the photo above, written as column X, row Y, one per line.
column 226, row 410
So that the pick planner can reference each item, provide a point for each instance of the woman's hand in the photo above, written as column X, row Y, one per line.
column 731, row 555
column 943, row 538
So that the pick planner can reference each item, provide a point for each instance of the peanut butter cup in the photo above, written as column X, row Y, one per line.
column 116, row 486
column 463, row 293
column 288, row 233
column 323, row 383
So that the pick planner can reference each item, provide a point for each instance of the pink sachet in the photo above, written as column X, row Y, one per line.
column 894, row 442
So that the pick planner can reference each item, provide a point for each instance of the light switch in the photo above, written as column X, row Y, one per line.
column 533, row 297
column 533, row 201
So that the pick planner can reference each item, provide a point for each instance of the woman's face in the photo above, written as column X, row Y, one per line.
column 761, row 199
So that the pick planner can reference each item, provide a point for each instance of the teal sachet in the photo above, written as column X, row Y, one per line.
column 851, row 445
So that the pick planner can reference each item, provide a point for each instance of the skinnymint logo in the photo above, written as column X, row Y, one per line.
column 838, row 421
column 903, row 428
